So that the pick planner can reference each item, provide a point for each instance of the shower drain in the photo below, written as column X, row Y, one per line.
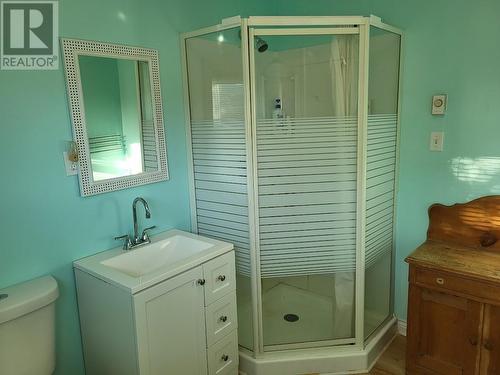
column 291, row 317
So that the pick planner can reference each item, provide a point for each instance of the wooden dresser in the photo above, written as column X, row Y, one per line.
column 454, row 292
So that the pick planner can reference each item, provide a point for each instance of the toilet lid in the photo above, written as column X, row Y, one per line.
column 24, row 298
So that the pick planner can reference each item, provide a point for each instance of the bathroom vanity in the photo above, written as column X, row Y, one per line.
column 166, row 308
column 454, row 296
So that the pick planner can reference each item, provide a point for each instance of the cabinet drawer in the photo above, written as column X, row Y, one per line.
column 221, row 318
column 219, row 275
column 472, row 288
column 223, row 356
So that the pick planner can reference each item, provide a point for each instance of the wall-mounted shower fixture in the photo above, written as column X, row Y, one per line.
column 261, row 44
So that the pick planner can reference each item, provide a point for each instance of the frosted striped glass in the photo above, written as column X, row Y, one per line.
column 149, row 144
column 307, row 195
column 380, row 177
column 219, row 157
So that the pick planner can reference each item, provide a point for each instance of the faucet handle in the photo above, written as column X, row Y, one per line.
column 127, row 243
column 145, row 236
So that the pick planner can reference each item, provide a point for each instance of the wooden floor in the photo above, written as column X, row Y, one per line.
column 392, row 362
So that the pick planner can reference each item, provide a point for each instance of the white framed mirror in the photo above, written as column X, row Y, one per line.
column 116, row 110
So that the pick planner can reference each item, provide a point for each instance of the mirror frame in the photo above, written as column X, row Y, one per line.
column 72, row 49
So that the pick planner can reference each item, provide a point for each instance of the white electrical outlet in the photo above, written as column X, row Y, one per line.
column 437, row 140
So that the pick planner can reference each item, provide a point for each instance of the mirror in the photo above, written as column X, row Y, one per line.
column 117, row 100
column 115, row 103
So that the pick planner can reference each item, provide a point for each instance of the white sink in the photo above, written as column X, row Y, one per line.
column 169, row 254
column 152, row 257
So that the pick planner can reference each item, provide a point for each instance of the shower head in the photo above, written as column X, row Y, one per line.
column 261, row 44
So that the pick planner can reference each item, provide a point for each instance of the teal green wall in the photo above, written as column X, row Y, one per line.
column 45, row 224
column 451, row 47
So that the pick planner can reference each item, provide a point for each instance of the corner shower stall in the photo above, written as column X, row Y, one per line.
column 292, row 143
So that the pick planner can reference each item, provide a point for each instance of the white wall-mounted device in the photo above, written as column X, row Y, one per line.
column 437, row 140
column 439, row 104
column 71, row 159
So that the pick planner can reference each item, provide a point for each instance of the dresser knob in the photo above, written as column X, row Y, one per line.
column 473, row 341
column 201, row 282
column 488, row 345
column 223, row 318
column 221, row 277
column 488, row 239
column 225, row 357
column 439, row 281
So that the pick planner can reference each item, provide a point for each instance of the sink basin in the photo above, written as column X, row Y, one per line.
column 169, row 254
column 150, row 258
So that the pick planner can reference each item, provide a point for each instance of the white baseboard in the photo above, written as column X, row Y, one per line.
column 402, row 327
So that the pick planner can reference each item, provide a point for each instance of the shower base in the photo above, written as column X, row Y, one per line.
column 293, row 315
column 332, row 361
column 314, row 312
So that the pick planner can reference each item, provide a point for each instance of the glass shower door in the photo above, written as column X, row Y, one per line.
column 383, row 90
column 219, row 158
column 305, row 120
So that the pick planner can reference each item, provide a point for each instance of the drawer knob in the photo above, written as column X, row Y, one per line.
column 473, row 341
column 225, row 357
column 488, row 345
column 201, row 282
column 440, row 281
column 223, row 318
column 488, row 239
column 221, row 277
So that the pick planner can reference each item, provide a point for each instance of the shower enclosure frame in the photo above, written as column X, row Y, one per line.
column 298, row 25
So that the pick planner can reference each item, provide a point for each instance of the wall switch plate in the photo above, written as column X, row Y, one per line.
column 439, row 104
column 437, row 140
column 71, row 167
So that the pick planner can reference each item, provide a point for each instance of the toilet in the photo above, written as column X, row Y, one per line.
column 27, row 327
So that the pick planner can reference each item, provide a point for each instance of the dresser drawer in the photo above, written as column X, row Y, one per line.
column 223, row 356
column 219, row 275
column 474, row 289
column 221, row 318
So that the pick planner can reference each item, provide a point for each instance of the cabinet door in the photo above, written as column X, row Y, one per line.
column 443, row 333
column 490, row 351
column 171, row 327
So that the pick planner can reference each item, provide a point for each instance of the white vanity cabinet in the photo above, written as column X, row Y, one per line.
column 170, row 323
column 184, row 325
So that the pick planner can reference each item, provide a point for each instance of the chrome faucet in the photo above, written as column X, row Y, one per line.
column 137, row 240
column 134, row 213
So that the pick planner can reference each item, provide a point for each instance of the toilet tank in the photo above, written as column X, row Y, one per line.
column 27, row 327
